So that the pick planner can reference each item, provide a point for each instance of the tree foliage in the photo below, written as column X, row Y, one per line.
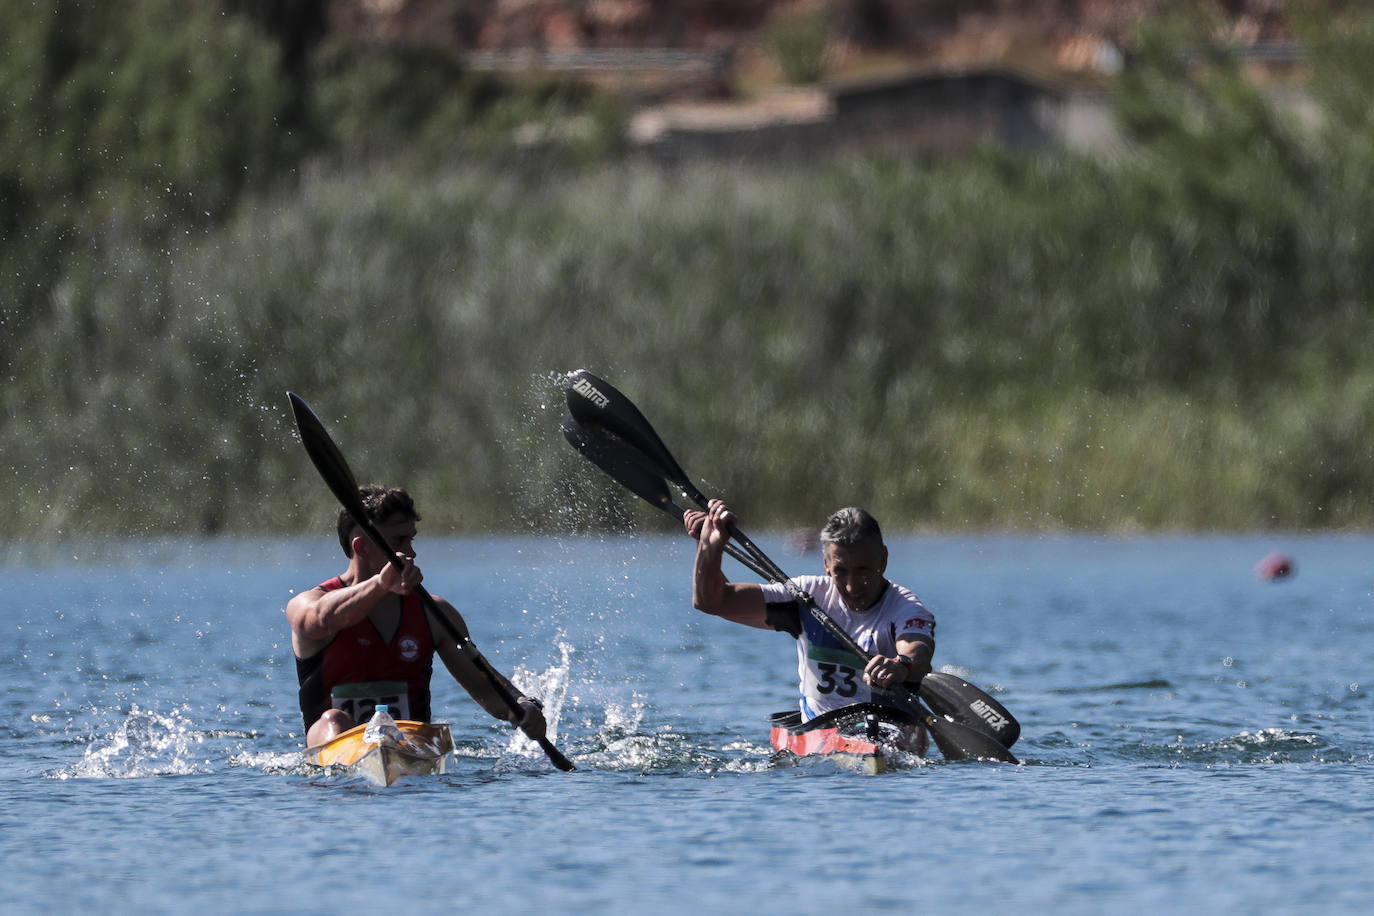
column 1176, row 337
column 153, row 114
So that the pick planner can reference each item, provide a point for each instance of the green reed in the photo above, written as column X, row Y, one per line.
column 1174, row 338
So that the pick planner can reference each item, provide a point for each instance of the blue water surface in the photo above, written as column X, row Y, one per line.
column 1193, row 738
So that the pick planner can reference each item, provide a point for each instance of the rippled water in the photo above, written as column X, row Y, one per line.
column 1193, row 738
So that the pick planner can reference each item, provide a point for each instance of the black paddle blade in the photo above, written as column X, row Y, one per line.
column 328, row 460
column 956, row 698
column 618, row 465
column 623, row 464
column 959, row 742
column 596, row 403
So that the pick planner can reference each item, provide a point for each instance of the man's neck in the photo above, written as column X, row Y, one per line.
column 878, row 600
column 356, row 573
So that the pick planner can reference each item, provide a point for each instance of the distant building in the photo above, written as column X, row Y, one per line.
column 936, row 112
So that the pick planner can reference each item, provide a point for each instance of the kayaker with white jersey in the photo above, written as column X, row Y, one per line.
column 884, row 618
column 364, row 637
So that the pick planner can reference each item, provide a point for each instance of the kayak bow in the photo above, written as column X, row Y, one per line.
column 422, row 751
column 865, row 737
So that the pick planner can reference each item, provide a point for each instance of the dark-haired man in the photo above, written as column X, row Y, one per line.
column 881, row 616
column 365, row 637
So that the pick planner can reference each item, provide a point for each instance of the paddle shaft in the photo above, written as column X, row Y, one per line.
column 329, row 461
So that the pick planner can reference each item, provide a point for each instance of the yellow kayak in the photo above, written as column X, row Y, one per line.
column 422, row 750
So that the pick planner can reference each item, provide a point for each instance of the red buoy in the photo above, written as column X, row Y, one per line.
column 1275, row 566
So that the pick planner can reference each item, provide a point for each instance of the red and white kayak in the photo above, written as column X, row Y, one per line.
column 422, row 750
column 865, row 737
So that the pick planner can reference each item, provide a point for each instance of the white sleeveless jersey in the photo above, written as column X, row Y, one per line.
column 831, row 676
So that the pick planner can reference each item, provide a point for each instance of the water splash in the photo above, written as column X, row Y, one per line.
column 289, row 763
column 1267, row 745
column 551, row 686
column 624, row 745
column 145, row 743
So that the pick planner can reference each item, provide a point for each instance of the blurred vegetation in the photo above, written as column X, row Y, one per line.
column 797, row 39
column 1172, row 339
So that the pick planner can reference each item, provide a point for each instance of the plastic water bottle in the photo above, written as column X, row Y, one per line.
column 382, row 729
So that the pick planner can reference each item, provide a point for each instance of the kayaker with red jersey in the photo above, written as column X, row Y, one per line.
column 364, row 637
column 881, row 616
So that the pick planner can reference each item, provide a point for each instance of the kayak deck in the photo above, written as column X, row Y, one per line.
column 865, row 737
column 423, row 751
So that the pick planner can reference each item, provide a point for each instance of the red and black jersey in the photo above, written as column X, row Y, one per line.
column 352, row 671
